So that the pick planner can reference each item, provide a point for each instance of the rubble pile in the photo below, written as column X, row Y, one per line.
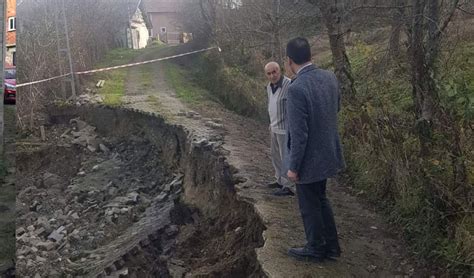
column 88, row 97
column 62, row 220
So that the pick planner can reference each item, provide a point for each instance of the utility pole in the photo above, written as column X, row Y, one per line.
column 68, row 50
column 60, row 60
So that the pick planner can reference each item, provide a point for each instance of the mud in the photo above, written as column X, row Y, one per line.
column 151, row 201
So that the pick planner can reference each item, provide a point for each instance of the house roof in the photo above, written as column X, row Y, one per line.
column 161, row 6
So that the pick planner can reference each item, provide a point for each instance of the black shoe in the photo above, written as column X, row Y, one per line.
column 274, row 185
column 333, row 253
column 306, row 254
column 285, row 191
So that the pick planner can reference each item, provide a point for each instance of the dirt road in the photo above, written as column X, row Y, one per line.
column 369, row 248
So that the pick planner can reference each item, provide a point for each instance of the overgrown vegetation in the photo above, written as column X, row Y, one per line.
column 231, row 86
column 382, row 151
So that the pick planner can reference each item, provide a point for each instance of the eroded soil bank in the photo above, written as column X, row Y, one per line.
column 121, row 193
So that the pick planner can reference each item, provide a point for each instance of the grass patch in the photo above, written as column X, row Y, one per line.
column 114, row 87
column 184, row 87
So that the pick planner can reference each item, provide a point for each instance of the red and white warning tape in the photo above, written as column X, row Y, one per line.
column 41, row 81
column 118, row 67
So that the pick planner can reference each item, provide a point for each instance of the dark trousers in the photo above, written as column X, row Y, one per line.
column 318, row 218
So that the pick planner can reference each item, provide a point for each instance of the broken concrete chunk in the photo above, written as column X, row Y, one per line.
column 93, row 143
column 181, row 113
column 41, row 259
column 78, row 124
column 214, row 125
column 161, row 197
column 201, row 142
column 176, row 268
column 31, row 228
column 56, row 235
column 40, row 232
column 100, row 84
column 20, row 231
column 103, row 148
column 172, row 230
column 51, row 180
column 133, row 198
column 91, row 148
column 34, row 206
column 46, row 245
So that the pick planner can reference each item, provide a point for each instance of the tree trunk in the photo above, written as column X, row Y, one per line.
column 277, row 50
column 333, row 21
column 396, row 29
column 421, row 78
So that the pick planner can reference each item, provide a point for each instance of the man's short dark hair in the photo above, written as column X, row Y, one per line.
column 298, row 50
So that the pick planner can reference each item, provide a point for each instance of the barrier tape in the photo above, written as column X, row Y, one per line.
column 41, row 81
column 118, row 67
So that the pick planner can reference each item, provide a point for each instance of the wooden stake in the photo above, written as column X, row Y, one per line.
column 43, row 134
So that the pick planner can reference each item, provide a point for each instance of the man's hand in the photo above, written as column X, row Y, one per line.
column 292, row 176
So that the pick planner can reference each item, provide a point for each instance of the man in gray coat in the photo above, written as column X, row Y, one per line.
column 315, row 152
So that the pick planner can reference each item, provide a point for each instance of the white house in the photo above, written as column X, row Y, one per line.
column 137, row 31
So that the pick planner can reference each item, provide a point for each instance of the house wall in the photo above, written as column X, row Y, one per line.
column 10, row 34
column 140, row 33
column 2, row 28
column 168, row 20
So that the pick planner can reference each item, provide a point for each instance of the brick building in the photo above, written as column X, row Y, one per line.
column 11, row 32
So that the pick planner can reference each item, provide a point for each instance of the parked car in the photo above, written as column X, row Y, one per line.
column 10, row 85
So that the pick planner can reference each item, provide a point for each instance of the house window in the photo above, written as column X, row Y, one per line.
column 163, row 29
column 11, row 24
column 14, row 58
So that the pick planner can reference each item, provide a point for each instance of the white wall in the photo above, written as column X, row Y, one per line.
column 139, row 31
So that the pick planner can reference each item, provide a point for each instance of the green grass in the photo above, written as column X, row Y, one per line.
column 184, row 87
column 114, row 87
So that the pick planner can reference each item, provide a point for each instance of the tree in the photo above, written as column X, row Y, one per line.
column 333, row 13
column 94, row 28
column 397, row 19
